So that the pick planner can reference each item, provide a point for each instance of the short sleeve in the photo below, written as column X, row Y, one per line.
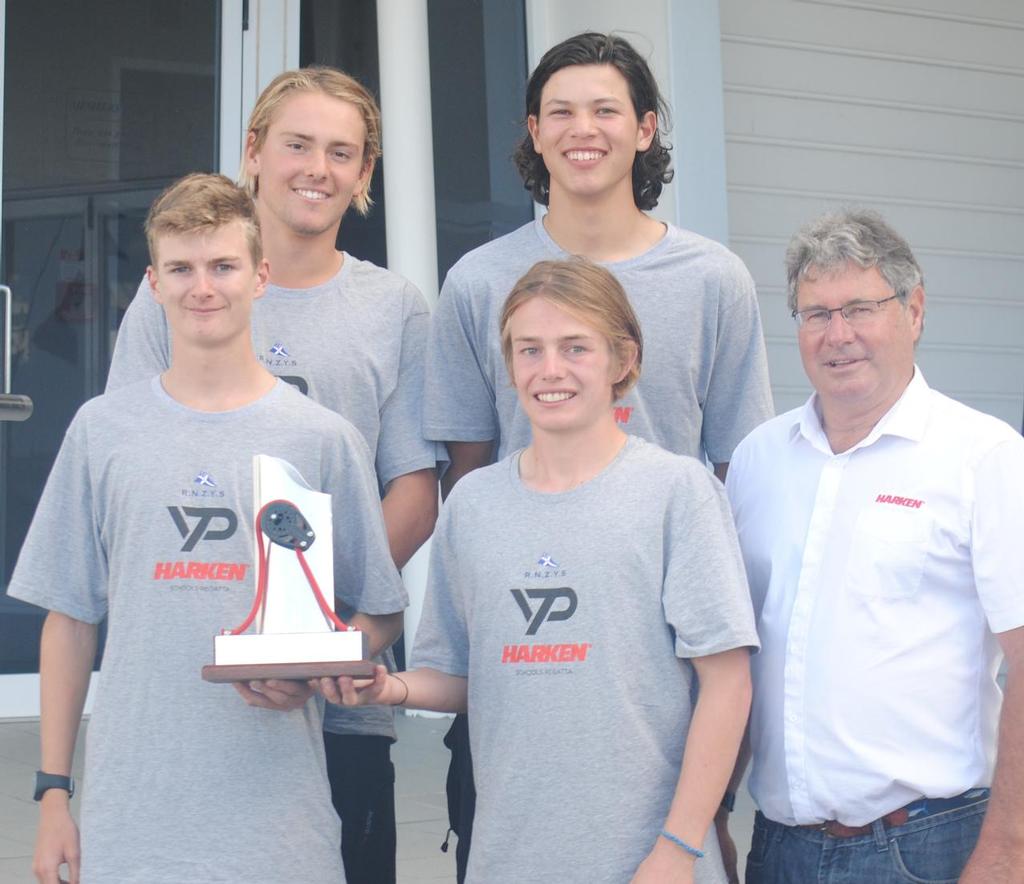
column 705, row 594
column 142, row 349
column 997, row 554
column 442, row 638
column 365, row 577
column 401, row 446
column 739, row 396
column 63, row 563
column 458, row 396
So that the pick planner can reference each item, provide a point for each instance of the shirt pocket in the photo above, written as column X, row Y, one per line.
column 888, row 552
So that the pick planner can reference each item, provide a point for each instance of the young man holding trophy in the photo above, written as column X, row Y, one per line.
column 147, row 520
column 575, row 627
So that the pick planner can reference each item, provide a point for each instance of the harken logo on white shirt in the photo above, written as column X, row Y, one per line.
column 911, row 502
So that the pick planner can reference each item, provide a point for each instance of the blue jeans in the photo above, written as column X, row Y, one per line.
column 930, row 850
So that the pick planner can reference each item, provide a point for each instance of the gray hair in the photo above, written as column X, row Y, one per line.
column 858, row 236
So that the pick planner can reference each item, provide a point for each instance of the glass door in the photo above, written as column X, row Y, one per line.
column 99, row 114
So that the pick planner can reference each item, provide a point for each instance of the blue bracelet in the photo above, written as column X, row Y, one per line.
column 693, row 851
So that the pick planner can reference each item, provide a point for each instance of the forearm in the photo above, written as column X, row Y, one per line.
column 415, row 689
column 67, row 651
column 739, row 769
column 382, row 630
column 464, row 457
column 709, row 759
column 428, row 689
column 999, row 855
column 410, row 511
column 742, row 760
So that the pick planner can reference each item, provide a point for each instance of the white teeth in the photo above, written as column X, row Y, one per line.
column 554, row 397
column 583, row 155
column 312, row 194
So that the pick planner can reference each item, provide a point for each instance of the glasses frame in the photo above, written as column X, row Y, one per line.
column 801, row 316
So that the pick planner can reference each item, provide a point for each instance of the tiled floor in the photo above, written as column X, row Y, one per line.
column 421, row 762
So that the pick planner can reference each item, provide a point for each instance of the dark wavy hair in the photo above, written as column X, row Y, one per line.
column 650, row 167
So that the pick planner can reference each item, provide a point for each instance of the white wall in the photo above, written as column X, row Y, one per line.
column 916, row 109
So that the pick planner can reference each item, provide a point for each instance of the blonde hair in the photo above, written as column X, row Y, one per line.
column 592, row 295
column 201, row 203
column 327, row 81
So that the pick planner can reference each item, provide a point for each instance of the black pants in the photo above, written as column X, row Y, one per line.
column 363, row 793
column 461, row 791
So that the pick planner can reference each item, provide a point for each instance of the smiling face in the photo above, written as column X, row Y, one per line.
column 206, row 283
column 310, row 165
column 562, row 368
column 863, row 369
column 588, row 134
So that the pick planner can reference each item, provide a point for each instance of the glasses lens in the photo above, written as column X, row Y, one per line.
column 860, row 311
column 813, row 320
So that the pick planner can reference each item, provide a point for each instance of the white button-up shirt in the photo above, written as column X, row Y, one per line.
column 878, row 576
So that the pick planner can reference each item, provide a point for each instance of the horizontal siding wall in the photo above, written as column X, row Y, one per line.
column 916, row 109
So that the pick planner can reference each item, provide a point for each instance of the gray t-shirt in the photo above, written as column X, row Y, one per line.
column 572, row 616
column 704, row 384
column 355, row 344
column 147, row 519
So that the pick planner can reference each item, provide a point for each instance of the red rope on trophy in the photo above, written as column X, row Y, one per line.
column 284, row 525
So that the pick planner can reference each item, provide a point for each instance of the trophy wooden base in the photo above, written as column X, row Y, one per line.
column 289, row 655
column 296, row 671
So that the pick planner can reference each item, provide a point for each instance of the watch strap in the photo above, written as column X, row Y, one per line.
column 47, row 781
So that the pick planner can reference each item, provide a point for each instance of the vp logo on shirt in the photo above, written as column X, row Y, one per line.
column 545, row 608
column 210, row 523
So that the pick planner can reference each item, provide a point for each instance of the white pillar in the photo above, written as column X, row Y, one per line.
column 409, row 189
column 408, row 142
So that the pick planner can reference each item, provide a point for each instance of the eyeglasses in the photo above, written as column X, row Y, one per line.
column 816, row 319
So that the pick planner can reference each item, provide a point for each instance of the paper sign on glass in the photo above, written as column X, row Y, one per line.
column 291, row 630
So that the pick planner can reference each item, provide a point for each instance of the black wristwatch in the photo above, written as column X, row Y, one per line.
column 47, row 781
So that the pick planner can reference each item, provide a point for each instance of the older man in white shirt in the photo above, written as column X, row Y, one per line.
column 881, row 530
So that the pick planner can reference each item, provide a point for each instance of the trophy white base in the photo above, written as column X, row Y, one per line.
column 288, row 655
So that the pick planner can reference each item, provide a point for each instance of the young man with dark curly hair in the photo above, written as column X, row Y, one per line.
column 593, row 154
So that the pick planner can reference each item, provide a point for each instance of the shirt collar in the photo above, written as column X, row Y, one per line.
column 907, row 418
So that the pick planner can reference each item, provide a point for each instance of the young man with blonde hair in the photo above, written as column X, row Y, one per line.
column 352, row 336
column 149, row 506
column 575, row 627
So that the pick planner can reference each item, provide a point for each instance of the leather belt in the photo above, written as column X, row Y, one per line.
column 838, row 830
column 915, row 810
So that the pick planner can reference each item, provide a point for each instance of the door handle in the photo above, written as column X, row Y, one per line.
column 12, row 407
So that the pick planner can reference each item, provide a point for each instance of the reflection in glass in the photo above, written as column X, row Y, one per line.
column 100, row 113
column 477, row 94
